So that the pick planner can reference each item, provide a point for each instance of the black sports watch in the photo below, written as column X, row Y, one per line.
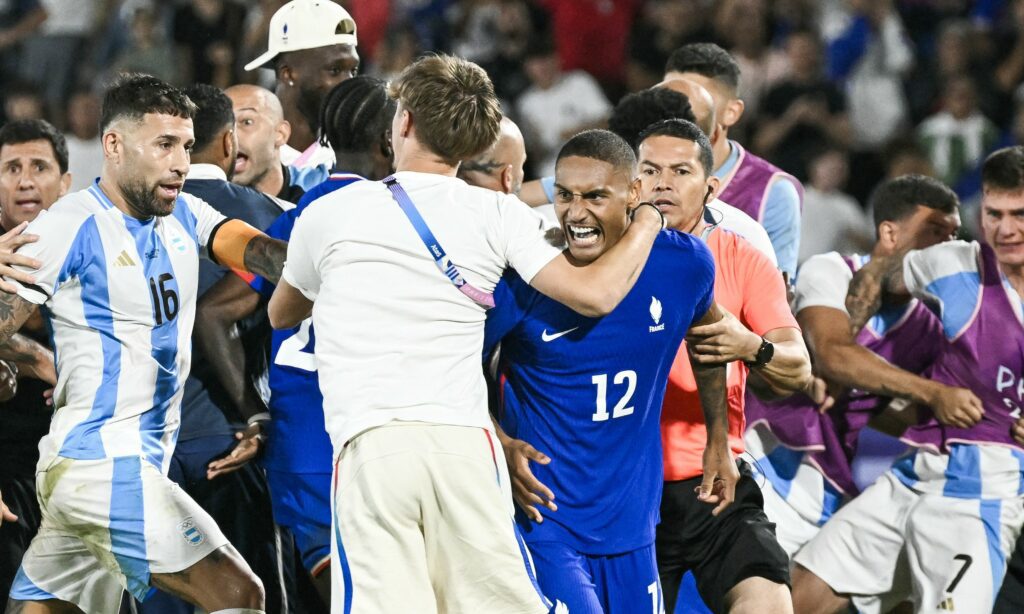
column 764, row 355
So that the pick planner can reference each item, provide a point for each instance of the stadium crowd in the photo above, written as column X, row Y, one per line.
column 839, row 183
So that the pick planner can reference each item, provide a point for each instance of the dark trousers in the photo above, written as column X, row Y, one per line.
column 19, row 495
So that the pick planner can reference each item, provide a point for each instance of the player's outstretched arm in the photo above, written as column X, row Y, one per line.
column 840, row 360
column 718, row 485
column 33, row 358
column 596, row 289
column 288, row 307
column 241, row 247
column 225, row 303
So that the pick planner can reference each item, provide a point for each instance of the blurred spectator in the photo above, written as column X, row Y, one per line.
column 905, row 157
column 209, row 32
column 832, row 220
column 373, row 17
column 663, row 26
column 518, row 20
column 85, row 150
column 51, row 57
column 803, row 111
column 959, row 136
column 475, row 29
column 23, row 101
column 18, row 20
column 556, row 106
column 951, row 57
column 591, row 35
column 744, row 27
column 399, row 48
column 868, row 55
column 148, row 50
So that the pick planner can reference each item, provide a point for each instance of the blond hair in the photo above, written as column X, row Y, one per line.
column 457, row 115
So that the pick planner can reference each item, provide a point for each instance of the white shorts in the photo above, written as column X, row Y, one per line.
column 893, row 544
column 797, row 498
column 109, row 524
column 422, row 524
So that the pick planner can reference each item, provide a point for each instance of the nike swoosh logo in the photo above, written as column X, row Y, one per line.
column 545, row 337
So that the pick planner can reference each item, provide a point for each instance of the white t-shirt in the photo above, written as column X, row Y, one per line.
column 832, row 221
column 314, row 155
column 732, row 219
column 395, row 339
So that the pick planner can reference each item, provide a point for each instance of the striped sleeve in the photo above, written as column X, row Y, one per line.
column 947, row 278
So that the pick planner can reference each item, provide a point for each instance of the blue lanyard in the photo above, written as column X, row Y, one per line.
column 441, row 259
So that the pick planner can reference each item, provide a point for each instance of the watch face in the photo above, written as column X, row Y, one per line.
column 765, row 353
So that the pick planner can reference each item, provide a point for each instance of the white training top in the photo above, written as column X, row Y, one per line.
column 395, row 339
column 732, row 219
column 120, row 296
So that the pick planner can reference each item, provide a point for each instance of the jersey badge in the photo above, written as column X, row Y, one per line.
column 656, row 315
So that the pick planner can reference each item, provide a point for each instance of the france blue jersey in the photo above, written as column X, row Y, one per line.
column 588, row 391
column 298, row 442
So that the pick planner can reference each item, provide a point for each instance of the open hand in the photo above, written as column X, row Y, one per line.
column 528, row 492
column 9, row 244
column 249, row 442
column 723, row 341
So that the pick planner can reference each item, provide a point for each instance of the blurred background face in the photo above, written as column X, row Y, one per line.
column 961, row 100
column 84, row 115
column 1002, row 224
column 316, row 72
column 829, row 171
column 30, row 181
column 804, row 55
column 672, row 178
column 591, row 203
column 542, row 70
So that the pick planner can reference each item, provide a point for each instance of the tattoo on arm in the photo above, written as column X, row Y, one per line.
column 265, row 257
column 14, row 310
column 20, row 348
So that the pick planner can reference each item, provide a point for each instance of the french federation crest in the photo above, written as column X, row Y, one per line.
column 656, row 315
column 191, row 532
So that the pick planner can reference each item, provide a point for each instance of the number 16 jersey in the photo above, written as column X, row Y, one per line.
column 119, row 295
column 588, row 392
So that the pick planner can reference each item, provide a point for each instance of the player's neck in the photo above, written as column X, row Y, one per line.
column 302, row 135
column 1015, row 275
column 272, row 181
column 111, row 191
column 418, row 160
column 721, row 150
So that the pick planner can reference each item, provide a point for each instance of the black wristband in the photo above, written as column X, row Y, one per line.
column 632, row 213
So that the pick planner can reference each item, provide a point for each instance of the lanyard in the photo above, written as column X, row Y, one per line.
column 441, row 259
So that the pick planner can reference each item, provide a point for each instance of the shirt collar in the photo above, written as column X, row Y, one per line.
column 206, row 171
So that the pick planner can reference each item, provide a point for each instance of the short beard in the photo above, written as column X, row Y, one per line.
column 309, row 106
column 143, row 200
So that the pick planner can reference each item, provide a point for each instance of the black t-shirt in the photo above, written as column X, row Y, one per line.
column 795, row 151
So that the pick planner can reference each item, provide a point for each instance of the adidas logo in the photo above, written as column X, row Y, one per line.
column 123, row 259
column 947, row 605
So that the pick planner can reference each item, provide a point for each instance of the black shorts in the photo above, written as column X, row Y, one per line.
column 1010, row 599
column 721, row 551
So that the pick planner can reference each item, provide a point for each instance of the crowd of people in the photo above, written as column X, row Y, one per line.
column 581, row 312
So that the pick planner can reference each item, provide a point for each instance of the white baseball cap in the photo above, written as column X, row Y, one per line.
column 307, row 24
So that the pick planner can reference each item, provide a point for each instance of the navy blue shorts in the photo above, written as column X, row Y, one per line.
column 302, row 502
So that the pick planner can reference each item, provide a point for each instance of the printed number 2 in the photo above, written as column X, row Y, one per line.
column 165, row 299
column 294, row 350
column 967, row 560
column 621, row 409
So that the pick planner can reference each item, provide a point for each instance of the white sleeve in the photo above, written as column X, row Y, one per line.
column 736, row 221
column 301, row 268
column 529, row 243
column 922, row 268
column 206, row 217
column 63, row 247
column 823, row 282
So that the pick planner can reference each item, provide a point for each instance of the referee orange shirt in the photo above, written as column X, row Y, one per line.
column 752, row 289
